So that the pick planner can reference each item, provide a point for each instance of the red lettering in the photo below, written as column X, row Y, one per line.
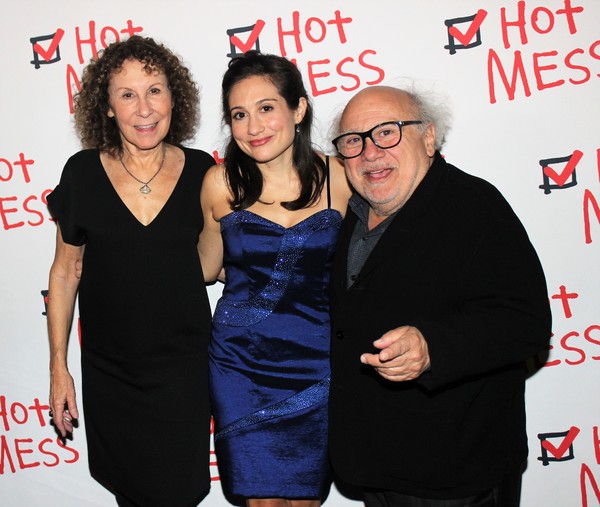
column 571, row 65
column 339, row 22
column 564, row 297
column 588, row 200
column 518, row 72
column 563, row 343
column 10, row 169
column 535, row 16
column 596, row 444
column 26, row 205
column 312, row 77
column 537, row 70
column 32, row 211
column 24, row 163
column 106, row 41
column 294, row 32
column 4, row 413
column 345, row 74
column 44, row 196
column 380, row 72
column 593, row 52
column 40, row 410
column 218, row 159
column 586, row 472
column 130, row 29
column 311, row 26
column 568, row 11
column 308, row 28
column 21, row 452
column 108, row 34
column 13, row 412
column 520, row 23
column 42, row 449
column 587, row 336
column 73, row 86
column 4, row 451
column 25, row 447
column 73, row 451
column 91, row 41
column 5, row 211
column 556, row 362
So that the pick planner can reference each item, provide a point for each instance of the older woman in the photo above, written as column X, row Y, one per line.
column 129, row 205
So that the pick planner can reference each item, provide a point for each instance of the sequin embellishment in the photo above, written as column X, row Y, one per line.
column 252, row 311
column 310, row 396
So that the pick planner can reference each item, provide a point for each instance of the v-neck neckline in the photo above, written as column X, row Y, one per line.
column 160, row 211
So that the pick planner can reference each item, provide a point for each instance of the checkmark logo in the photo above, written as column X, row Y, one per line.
column 466, row 38
column 254, row 30
column 559, row 451
column 560, row 173
column 563, row 450
column 471, row 37
column 560, row 178
column 44, row 52
column 47, row 54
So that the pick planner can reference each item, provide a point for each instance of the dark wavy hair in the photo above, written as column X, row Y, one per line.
column 96, row 129
column 243, row 175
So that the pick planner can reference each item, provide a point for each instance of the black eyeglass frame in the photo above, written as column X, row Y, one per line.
column 369, row 134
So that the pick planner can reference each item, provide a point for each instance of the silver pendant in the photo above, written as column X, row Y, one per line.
column 145, row 189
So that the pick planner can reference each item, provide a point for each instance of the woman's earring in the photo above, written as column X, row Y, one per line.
column 298, row 127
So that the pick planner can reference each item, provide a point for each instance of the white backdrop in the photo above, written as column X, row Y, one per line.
column 523, row 80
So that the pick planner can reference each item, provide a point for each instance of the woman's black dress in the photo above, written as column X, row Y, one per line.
column 145, row 325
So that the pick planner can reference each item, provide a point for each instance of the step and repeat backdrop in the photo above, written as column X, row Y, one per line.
column 523, row 81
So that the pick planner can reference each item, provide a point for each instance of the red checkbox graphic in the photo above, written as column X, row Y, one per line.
column 559, row 452
column 47, row 54
column 561, row 178
column 466, row 38
column 249, row 44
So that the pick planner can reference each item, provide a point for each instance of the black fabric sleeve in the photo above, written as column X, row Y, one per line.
column 62, row 203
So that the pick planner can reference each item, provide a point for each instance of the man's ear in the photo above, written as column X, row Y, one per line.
column 430, row 140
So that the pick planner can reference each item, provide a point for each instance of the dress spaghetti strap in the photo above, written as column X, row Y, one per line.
column 328, row 183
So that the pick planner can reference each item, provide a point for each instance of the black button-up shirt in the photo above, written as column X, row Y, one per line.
column 363, row 240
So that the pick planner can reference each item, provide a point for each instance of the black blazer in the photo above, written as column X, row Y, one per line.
column 457, row 264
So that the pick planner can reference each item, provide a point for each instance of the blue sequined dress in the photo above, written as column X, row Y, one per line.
column 269, row 355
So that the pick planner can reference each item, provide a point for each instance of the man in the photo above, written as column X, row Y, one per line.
column 438, row 297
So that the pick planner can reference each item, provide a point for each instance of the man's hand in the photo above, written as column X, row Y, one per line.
column 403, row 354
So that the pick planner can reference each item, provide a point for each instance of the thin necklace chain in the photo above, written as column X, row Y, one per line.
column 145, row 189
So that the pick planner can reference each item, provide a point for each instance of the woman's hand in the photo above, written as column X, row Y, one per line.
column 63, row 407
column 62, row 292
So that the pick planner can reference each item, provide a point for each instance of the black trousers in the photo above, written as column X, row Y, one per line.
column 505, row 494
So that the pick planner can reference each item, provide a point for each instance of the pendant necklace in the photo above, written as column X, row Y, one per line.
column 145, row 189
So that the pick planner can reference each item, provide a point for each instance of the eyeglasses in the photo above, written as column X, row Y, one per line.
column 385, row 135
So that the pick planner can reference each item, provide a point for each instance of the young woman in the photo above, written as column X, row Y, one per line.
column 272, row 215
